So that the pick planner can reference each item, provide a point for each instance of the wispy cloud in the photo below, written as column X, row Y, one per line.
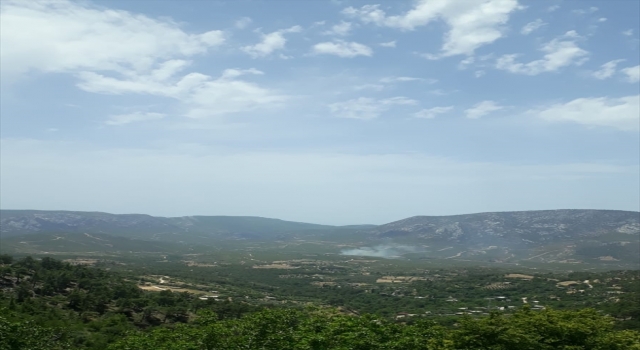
column 632, row 74
column 375, row 87
column 606, row 70
column 122, row 119
column 481, row 109
column 270, row 43
column 366, row 108
column 341, row 29
column 431, row 113
column 622, row 113
column 532, row 26
column 388, row 44
column 559, row 52
column 243, row 22
column 388, row 80
column 342, row 49
column 465, row 63
column 200, row 95
column 439, row 92
column 585, row 11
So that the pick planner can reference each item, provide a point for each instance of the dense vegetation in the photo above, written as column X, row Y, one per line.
column 93, row 306
column 50, row 304
column 292, row 329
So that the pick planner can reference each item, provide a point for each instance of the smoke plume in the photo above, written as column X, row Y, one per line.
column 381, row 251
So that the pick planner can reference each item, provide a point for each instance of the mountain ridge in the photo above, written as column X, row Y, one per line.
column 563, row 236
column 487, row 227
column 143, row 226
column 543, row 222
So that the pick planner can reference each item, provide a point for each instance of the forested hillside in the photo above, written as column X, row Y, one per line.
column 50, row 304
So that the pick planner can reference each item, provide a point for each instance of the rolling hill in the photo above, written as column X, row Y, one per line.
column 563, row 236
column 521, row 227
column 176, row 229
column 52, row 243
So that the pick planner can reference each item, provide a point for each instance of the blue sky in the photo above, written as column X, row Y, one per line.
column 337, row 112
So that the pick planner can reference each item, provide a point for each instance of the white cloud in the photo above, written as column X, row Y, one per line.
column 341, row 29
column 438, row 92
column 342, row 49
column 123, row 119
column 553, row 8
column 560, row 52
column 201, row 95
column 234, row 73
column 465, row 63
column 621, row 113
column 469, row 60
column 365, row 108
column 532, row 26
column 224, row 96
column 479, row 73
column 389, row 44
column 168, row 69
column 432, row 112
column 632, row 74
column 270, row 42
column 591, row 9
column 389, row 80
column 602, row 19
column 118, row 52
column 375, row 87
column 628, row 32
column 481, row 109
column 606, row 70
column 471, row 24
column 68, row 36
column 243, row 22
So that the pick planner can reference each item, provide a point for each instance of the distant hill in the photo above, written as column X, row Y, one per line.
column 47, row 243
column 187, row 228
column 536, row 227
column 563, row 236
column 557, row 236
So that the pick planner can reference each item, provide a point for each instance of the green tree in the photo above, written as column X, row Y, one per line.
column 29, row 335
column 6, row 259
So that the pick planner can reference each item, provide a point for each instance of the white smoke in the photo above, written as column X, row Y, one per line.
column 381, row 251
